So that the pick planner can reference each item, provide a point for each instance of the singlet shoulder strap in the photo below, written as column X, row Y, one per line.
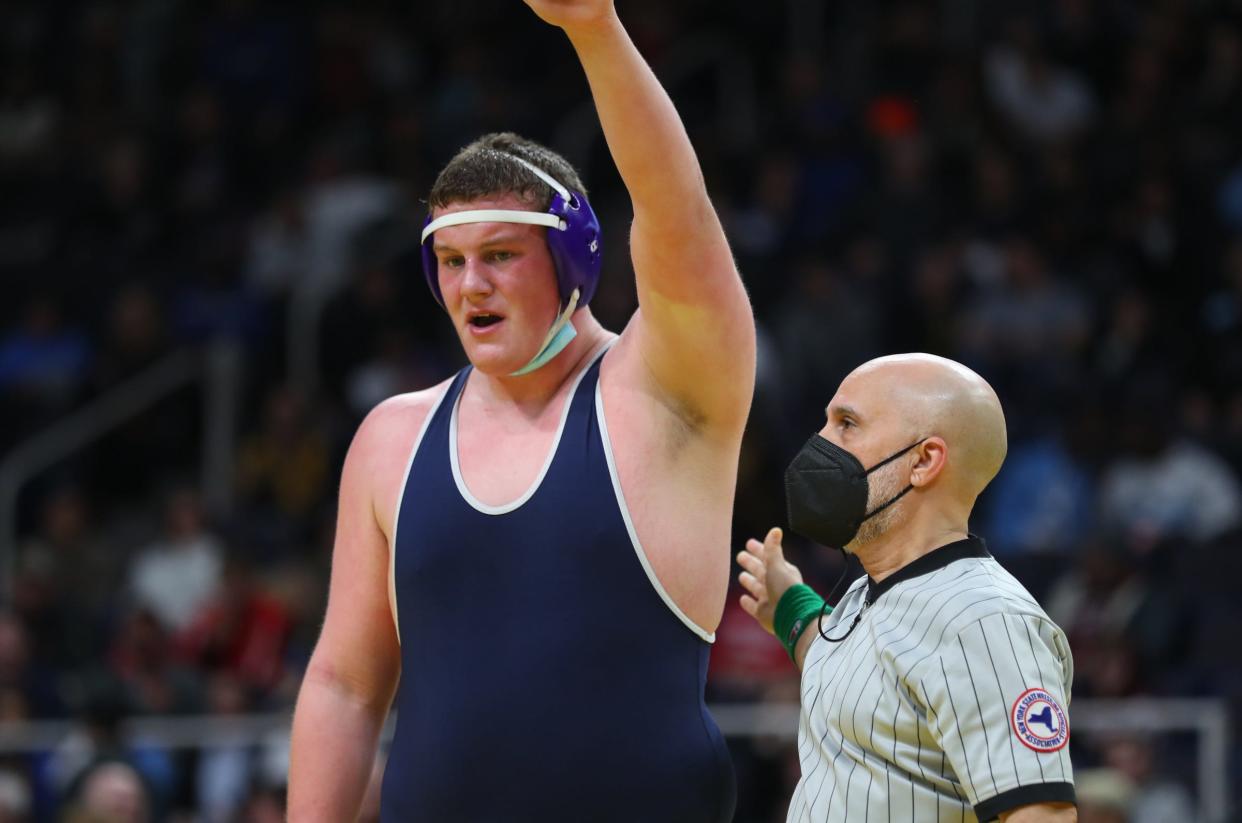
column 454, row 391
column 436, row 416
column 584, row 390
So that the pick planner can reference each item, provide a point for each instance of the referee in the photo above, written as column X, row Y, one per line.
column 937, row 689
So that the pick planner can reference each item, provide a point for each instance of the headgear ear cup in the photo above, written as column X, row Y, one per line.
column 576, row 249
column 573, row 238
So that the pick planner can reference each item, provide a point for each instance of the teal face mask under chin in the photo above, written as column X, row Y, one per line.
column 558, row 337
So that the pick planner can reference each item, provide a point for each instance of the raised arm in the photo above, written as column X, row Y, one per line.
column 353, row 671
column 694, row 329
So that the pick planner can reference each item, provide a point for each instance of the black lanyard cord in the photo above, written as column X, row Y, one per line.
column 823, row 609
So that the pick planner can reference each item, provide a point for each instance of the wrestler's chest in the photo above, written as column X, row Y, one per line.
column 499, row 455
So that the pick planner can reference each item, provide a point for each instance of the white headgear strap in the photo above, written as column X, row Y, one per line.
column 534, row 218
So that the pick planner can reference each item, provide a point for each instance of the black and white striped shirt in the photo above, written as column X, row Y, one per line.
column 948, row 702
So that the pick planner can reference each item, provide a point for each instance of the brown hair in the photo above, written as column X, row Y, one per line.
column 486, row 168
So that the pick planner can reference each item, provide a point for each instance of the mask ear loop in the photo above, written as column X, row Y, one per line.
column 884, row 506
column 868, row 515
column 894, row 456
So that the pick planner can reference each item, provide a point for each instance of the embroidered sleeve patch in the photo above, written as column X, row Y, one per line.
column 1039, row 721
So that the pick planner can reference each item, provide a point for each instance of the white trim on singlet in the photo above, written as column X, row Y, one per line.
column 707, row 636
column 396, row 517
column 505, row 508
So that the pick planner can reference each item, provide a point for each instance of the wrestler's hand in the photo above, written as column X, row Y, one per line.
column 569, row 14
column 765, row 576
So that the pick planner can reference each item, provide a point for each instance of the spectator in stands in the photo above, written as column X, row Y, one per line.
column 202, row 186
column 241, row 632
column 67, row 578
column 30, row 117
column 1104, row 796
column 1119, row 625
column 15, row 803
column 110, row 792
column 827, row 323
column 1221, row 320
column 1157, row 797
column 1130, row 340
column 97, row 740
column 143, row 658
column 135, row 454
column 1043, row 500
column 361, row 323
column 999, row 205
column 179, row 572
column 135, row 336
column 222, row 773
column 214, row 302
column 341, row 200
column 282, row 467
column 1231, row 430
column 277, row 257
column 43, row 364
column 1044, row 102
column 395, row 364
column 1229, row 199
column 27, row 688
column 1160, row 486
column 1030, row 319
column 905, row 209
column 264, row 805
column 759, row 221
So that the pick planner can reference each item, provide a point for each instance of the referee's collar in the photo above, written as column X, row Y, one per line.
column 972, row 546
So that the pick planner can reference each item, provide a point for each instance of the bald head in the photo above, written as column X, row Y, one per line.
column 934, row 396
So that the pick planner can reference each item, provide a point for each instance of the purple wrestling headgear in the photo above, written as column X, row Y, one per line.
column 573, row 238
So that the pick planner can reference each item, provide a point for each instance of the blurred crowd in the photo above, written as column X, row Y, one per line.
column 1049, row 192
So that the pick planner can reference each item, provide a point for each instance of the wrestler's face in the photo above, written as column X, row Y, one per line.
column 499, row 285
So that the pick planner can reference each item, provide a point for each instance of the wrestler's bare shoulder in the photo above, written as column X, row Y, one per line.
column 382, row 444
column 402, row 413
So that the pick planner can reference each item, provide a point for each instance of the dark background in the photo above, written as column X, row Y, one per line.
column 1049, row 192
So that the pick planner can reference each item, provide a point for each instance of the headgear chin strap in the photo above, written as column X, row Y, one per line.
column 558, row 337
column 573, row 241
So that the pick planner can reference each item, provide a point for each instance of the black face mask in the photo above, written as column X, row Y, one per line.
column 826, row 492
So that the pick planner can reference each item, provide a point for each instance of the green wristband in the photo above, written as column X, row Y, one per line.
column 797, row 609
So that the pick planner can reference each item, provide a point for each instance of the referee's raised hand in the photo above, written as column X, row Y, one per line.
column 765, row 576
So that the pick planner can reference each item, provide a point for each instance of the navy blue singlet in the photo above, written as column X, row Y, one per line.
column 544, row 677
